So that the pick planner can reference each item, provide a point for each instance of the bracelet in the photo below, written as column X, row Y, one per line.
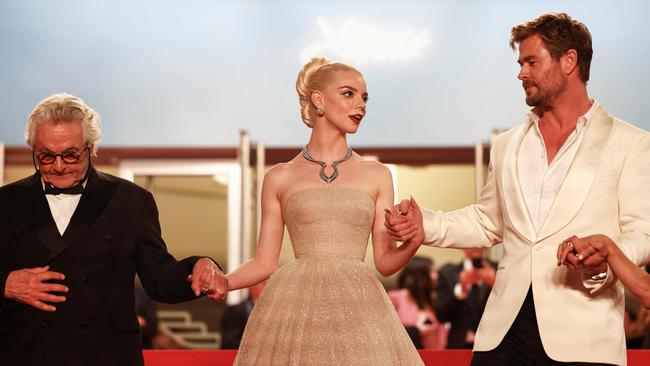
column 599, row 277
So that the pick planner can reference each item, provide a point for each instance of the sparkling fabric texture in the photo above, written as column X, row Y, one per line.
column 326, row 307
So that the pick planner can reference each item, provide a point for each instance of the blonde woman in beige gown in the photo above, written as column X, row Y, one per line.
column 326, row 307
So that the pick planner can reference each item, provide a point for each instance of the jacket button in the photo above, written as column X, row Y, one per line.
column 108, row 238
column 15, row 233
column 537, row 246
column 46, row 323
column 85, row 325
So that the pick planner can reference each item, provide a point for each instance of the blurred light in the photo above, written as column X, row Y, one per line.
column 363, row 43
column 222, row 179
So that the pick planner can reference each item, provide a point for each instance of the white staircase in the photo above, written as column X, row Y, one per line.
column 179, row 326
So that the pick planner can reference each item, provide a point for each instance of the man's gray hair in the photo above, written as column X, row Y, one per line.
column 65, row 108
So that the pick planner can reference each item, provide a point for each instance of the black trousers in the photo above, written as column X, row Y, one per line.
column 522, row 345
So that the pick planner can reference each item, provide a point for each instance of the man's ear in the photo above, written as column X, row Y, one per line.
column 569, row 61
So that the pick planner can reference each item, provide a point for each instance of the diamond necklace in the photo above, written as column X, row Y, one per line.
column 327, row 178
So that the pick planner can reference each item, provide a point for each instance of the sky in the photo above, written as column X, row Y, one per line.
column 195, row 73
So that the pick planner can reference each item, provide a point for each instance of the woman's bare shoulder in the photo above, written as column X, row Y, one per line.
column 282, row 172
column 375, row 168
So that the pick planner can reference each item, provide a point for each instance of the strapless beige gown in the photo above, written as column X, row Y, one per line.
column 326, row 307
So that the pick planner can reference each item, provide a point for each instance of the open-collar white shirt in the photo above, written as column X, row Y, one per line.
column 540, row 181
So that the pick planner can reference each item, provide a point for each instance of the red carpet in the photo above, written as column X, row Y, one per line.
column 431, row 358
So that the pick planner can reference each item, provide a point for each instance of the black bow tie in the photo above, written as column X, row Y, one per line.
column 78, row 189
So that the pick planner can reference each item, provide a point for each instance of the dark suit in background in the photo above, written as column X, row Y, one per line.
column 236, row 316
column 464, row 315
column 233, row 323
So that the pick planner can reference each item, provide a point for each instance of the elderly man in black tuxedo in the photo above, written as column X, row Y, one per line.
column 71, row 241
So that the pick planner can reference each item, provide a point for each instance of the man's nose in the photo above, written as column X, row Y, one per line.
column 523, row 73
column 58, row 164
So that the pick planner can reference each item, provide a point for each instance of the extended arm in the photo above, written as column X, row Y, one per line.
column 389, row 258
column 162, row 276
column 633, row 277
column 269, row 244
column 478, row 225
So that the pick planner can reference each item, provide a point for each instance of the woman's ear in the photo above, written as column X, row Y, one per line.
column 317, row 98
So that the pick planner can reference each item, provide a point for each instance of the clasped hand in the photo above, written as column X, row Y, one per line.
column 588, row 254
column 207, row 278
column 404, row 222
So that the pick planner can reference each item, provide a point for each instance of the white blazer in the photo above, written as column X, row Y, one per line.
column 606, row 191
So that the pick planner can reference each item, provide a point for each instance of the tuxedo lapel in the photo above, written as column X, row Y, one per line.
column 513, row 198
column 38, row 215
column 93, row 201
column 580, row 176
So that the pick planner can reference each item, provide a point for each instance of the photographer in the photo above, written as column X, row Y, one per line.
column 463, row 290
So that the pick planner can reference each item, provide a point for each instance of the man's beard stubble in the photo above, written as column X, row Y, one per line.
column 549, row 87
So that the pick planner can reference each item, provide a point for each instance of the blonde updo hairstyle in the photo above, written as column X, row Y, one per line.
column 65, row 108
column 315, row 76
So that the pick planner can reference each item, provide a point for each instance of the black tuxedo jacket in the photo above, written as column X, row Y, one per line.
column 465, row 314
column 113, row 234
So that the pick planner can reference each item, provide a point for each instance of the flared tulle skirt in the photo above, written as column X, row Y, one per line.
column 325, row 311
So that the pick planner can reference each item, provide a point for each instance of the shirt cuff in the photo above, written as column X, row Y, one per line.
column 431, row 225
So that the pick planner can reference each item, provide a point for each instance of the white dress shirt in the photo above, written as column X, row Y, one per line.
column 541, row 181
column 62, row 206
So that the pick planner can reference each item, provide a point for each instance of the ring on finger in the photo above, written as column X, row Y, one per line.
column 569, row 243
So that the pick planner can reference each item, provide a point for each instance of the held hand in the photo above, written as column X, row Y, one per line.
column 404, row 222
column 416, row 214
column 588, row 254
column 208, row 279
column 397, row 225
column 594, row 257
column 28, row 286
column 404, row 206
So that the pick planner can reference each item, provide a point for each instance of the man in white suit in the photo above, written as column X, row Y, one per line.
column 570, row 171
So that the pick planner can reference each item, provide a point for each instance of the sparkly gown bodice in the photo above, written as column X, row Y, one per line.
column 326, row 307
column 329, row 222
